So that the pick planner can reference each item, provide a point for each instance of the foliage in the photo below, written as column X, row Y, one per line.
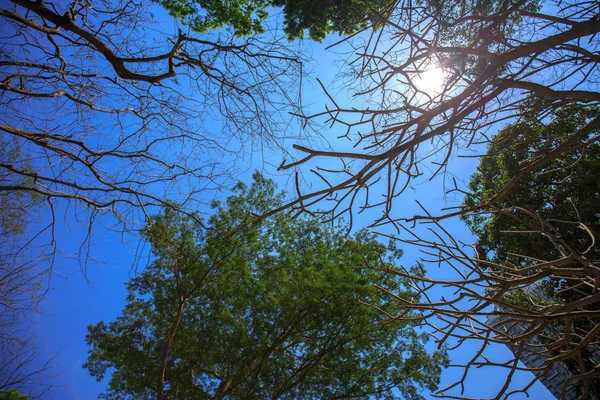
column 247, row 16
column 267, row 309
column 562, row 191
column 430, row 87
column 547, row 214
column 12, row 394
column 320, row 18
column 456, row 18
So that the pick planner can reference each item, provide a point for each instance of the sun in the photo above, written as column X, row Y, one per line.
column 430, row 80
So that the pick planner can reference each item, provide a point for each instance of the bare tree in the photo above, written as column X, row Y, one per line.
column 112, row 115
column 105, row 114
column 499, row 62
column 23, row 283
column 488, row 78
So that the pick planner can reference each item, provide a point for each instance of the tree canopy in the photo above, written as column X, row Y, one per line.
column 12, row 394
column 247, row 16
column 285, row 309
column 431, row 87
column 547, row 214
column 562, row 191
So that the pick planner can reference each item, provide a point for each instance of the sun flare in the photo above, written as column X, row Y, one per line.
column 431, row 80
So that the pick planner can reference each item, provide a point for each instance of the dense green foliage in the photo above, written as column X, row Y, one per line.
column 12, row 394
column 455, row 19
column 274, row 310
column 565, row 190
column 546, row 205
column 247, row 16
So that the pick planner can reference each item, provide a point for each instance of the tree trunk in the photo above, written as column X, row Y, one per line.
column 165, row 354
column 223, row 389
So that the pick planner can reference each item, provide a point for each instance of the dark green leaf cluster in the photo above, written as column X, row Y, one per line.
column 12, row 394
column 494, row 20
column 480, row 25
column 538, row 215
column 269, row 309
column 244, row 16
column 247, row 16
column 322, row 17
column 565, row 189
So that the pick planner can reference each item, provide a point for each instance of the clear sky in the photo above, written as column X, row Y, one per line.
column 74, row 302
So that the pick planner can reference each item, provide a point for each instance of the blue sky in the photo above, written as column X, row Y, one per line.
column 74, row 302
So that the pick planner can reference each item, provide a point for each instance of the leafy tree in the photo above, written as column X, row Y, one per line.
column 278, row 308
column 547, row 214
column 246, row 17
column 12, row 394
column 429, row 87
column 562, row 191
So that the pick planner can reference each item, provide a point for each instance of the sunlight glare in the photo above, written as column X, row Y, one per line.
column 430, row 81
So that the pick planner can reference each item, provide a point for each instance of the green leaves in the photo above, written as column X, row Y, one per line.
column 12, row 394
column 247, row 17
column 563, row 189
column 260, row 309
column 534, row 212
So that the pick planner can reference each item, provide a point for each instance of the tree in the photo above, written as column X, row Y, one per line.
column 546, row 215
column 23, row 263
column 562, row 191
column 246, row 17
column 105, row 116
column 268, row 310
column 495, row 62
column 12, row 394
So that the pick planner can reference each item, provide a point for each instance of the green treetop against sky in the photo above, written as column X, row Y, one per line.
column 286, row 309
